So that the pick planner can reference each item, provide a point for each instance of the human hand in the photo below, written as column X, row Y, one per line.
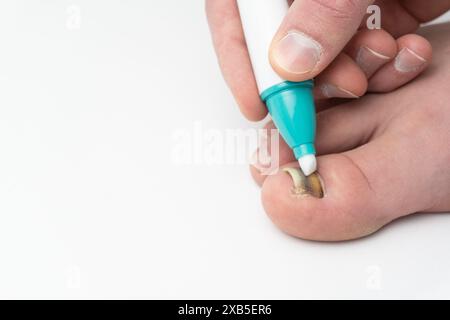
column 328, row 40
column 380, row 158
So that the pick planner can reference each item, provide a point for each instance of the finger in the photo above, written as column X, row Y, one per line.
column 234, row 61
column 339, row 129
column 372, row 49
column 395, row 19
column 413, row 57
column 341, row 214
column 347, row 77
column 405, row 16
column 342, row 79
column 363, row 189
column 307, row 41
column 267, row 158
column 425, row 11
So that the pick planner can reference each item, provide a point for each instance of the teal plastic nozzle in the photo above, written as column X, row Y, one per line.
column 291, row 105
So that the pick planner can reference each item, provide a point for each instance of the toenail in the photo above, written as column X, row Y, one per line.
column 304, row 186
column 260, row 160
column 297, row 53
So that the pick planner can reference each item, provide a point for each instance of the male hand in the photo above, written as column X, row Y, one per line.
column 328, row 40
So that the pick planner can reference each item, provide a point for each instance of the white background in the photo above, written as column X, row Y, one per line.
column 92, row 205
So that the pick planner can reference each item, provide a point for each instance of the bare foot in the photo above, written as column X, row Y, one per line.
column 382, row 157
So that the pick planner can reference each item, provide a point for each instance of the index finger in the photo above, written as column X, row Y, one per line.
column 231, row 49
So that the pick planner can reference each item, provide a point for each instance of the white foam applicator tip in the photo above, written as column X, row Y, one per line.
column 308, row 164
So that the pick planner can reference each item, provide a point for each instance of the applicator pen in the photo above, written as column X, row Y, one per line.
column 290, row 104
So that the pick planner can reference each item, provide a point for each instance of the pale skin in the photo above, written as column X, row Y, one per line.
column 382, row 156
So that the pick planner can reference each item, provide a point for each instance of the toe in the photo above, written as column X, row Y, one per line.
column 345, row 212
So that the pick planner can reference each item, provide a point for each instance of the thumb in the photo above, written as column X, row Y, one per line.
column 313, row 33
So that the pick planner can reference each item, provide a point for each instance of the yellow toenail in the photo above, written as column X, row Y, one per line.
column 303, row 185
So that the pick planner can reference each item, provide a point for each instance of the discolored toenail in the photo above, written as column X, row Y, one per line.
column 303, row 186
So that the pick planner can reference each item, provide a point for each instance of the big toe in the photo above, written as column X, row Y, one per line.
column 339, row 205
